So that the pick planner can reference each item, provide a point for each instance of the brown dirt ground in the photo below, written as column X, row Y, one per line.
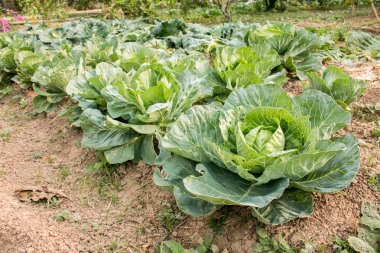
column 120, row 213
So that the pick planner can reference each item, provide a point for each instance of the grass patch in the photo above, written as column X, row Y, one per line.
column 168, row 218
column 22, row 103
column 374, row 182
column 4, row 91
column 63, row 172
column 36, row 155
column 63, row 216
column 99, row 178
column 4, row 134
column 217, row 224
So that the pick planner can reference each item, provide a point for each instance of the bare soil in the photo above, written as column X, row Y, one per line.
column 122, row 212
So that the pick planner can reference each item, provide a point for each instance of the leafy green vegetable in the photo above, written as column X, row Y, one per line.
column 175, row 247
column 296, row 46
column 368, row 239
column 334, row 82
column 239, row 67
column 204, row 102
column 267, row 244
column 364, row 44
column 259, row 141
column 52, row 78
column 27, row 64
column 151, row 96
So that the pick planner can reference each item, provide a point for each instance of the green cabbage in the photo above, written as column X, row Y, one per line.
column 261, row 149
column 334, row 82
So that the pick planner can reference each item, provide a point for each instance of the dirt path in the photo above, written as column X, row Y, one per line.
column 38, row 151
column 126, row 212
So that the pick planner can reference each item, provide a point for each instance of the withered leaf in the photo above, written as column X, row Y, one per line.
column 39, row 193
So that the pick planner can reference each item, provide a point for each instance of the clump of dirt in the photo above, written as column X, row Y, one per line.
column 294, row 88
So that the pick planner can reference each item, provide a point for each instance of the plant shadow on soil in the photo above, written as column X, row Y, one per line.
column 124, row 211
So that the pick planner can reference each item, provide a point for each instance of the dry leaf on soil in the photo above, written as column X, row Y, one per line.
column 39, row 193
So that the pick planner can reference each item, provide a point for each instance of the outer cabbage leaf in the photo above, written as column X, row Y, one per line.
column 187, row 136
column 292, row 204
column 119, row 141
column 7, row 61
column 256, row 96
column 219, row 186
column 300, row 165
column 325, row 114
column 363, row 44
column 337, row 173
column 177, row 169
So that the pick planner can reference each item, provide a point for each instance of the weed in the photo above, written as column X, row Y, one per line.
column 99, row 176
column 62, row 216
column 76, row 217
column 95, row 226
column 101, row 165
column 113, row 246
column 5, row 91
column 140, row 231
column 105, row 186
column 365, row 113
column 267, row 244
column 376, row 134
column 173, row 246
column 63, row 172
column 4, row 134
column 38, row 175
column 78, row 144
column 22, row 103
column 83, row 228
column 341, row 245
column 37, row 155
column 217, row 224
column 71, row 113
column 3, row 172
column 62, row 134
column 53, row 202
column 32, row 115
column 371, row 161
column 168, row 218
column 108, row 188
column 117, row 246
column 374, row 182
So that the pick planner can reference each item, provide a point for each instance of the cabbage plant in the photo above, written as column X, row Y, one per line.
column 27, row 63
column 13, row 43
column 334, row 82
column 261, row 149
column 295, row 46
column 51, row 78
column 363, row 44
column 125, row 112
column 239, row 67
